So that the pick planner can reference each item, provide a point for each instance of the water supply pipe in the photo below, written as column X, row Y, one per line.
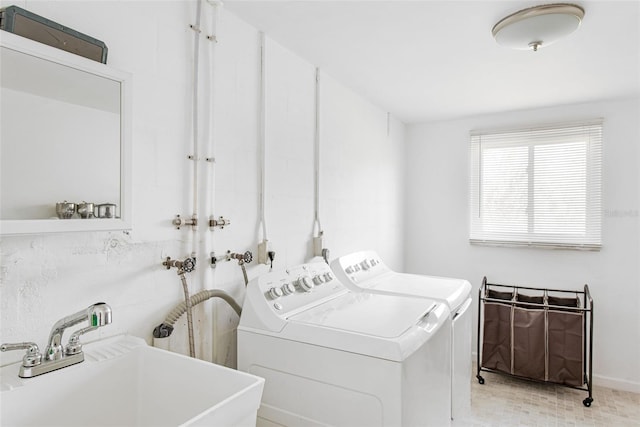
column 262, row 134
column 195, row 123
column 316, row 154
column 317, row 232
column 186, row 266
column 216, row 6
column 242, row 259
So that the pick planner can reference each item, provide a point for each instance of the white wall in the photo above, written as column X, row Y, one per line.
column 362, row 181
column 437, row 227
column 45, row 277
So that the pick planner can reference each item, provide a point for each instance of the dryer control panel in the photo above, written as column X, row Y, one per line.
column 359, row 267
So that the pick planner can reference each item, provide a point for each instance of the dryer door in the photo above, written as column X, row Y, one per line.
column 453, row 291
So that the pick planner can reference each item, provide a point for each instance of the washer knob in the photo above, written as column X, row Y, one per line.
column 288, row 288
column 305, row 284
column 275, row 293
column 328, row 277
column 318, row 280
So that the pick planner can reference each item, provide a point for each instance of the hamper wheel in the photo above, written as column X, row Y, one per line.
column 587, row 402
column 480, row 379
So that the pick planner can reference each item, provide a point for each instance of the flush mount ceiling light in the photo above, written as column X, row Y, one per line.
column 538, row 26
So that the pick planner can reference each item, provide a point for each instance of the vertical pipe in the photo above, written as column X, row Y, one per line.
column 316, row 149
column 213, row 38
column 207, row 275
column 196, row 66
column 262, row 134
column 195, row 125
column 193, row 243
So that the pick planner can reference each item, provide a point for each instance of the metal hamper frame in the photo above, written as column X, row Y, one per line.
column 584, row 307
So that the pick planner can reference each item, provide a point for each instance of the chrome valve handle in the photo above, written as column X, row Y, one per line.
column 31, row 358
column 186, row 266
column 74, row 346
column 244, row 258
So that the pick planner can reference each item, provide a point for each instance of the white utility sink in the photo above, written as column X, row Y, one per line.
column 124, row 382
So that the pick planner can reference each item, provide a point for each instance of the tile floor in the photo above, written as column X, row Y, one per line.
column 506, row 401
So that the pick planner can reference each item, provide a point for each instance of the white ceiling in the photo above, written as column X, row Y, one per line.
column 433, row 60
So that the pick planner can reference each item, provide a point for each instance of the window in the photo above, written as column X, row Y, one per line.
column 537, row 187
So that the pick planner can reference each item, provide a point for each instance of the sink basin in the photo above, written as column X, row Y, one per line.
column 125, row 382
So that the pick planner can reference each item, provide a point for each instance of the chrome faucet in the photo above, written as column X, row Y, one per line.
column 55, row 357
column 97, row 315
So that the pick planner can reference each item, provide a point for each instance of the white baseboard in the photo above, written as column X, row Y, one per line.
column 615, row 383
column 602, row 381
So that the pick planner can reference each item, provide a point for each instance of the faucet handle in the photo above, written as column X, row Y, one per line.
column 74, row 346
column 31, row 358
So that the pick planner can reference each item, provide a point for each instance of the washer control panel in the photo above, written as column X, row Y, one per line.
column 359, row 267
column 298, row 287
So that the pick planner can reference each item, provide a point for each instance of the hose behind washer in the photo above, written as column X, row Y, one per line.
column 166, row 328
column 187, row 308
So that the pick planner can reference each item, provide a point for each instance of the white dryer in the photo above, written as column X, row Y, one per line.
column 365, row 272
column 330, row 356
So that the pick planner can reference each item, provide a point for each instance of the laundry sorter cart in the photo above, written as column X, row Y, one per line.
column 537, row 334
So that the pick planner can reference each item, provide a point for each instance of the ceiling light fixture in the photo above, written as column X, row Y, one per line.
column 538, row 26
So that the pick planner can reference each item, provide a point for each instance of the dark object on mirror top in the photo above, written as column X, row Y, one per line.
column 26, row 24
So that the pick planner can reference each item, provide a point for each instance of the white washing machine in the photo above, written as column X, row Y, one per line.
column 365, row 272
column 335, row 357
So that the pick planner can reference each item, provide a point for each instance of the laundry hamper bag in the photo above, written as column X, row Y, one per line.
column 566, row 342
column 496, row 349
column 529, row 338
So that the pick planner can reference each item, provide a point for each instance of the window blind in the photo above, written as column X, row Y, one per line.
column 537, row 187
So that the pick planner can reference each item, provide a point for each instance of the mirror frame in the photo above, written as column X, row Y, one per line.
column 37, row 226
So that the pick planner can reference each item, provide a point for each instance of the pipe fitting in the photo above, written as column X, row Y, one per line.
column 220, row 222
column 186, row 266
column 244, row 258
column 179, row 222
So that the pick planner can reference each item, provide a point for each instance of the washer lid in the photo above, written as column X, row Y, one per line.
column 383, row 326
column 453, row 291
column 381, row 316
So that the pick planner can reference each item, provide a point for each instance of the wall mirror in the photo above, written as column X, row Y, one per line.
column 64, row 136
